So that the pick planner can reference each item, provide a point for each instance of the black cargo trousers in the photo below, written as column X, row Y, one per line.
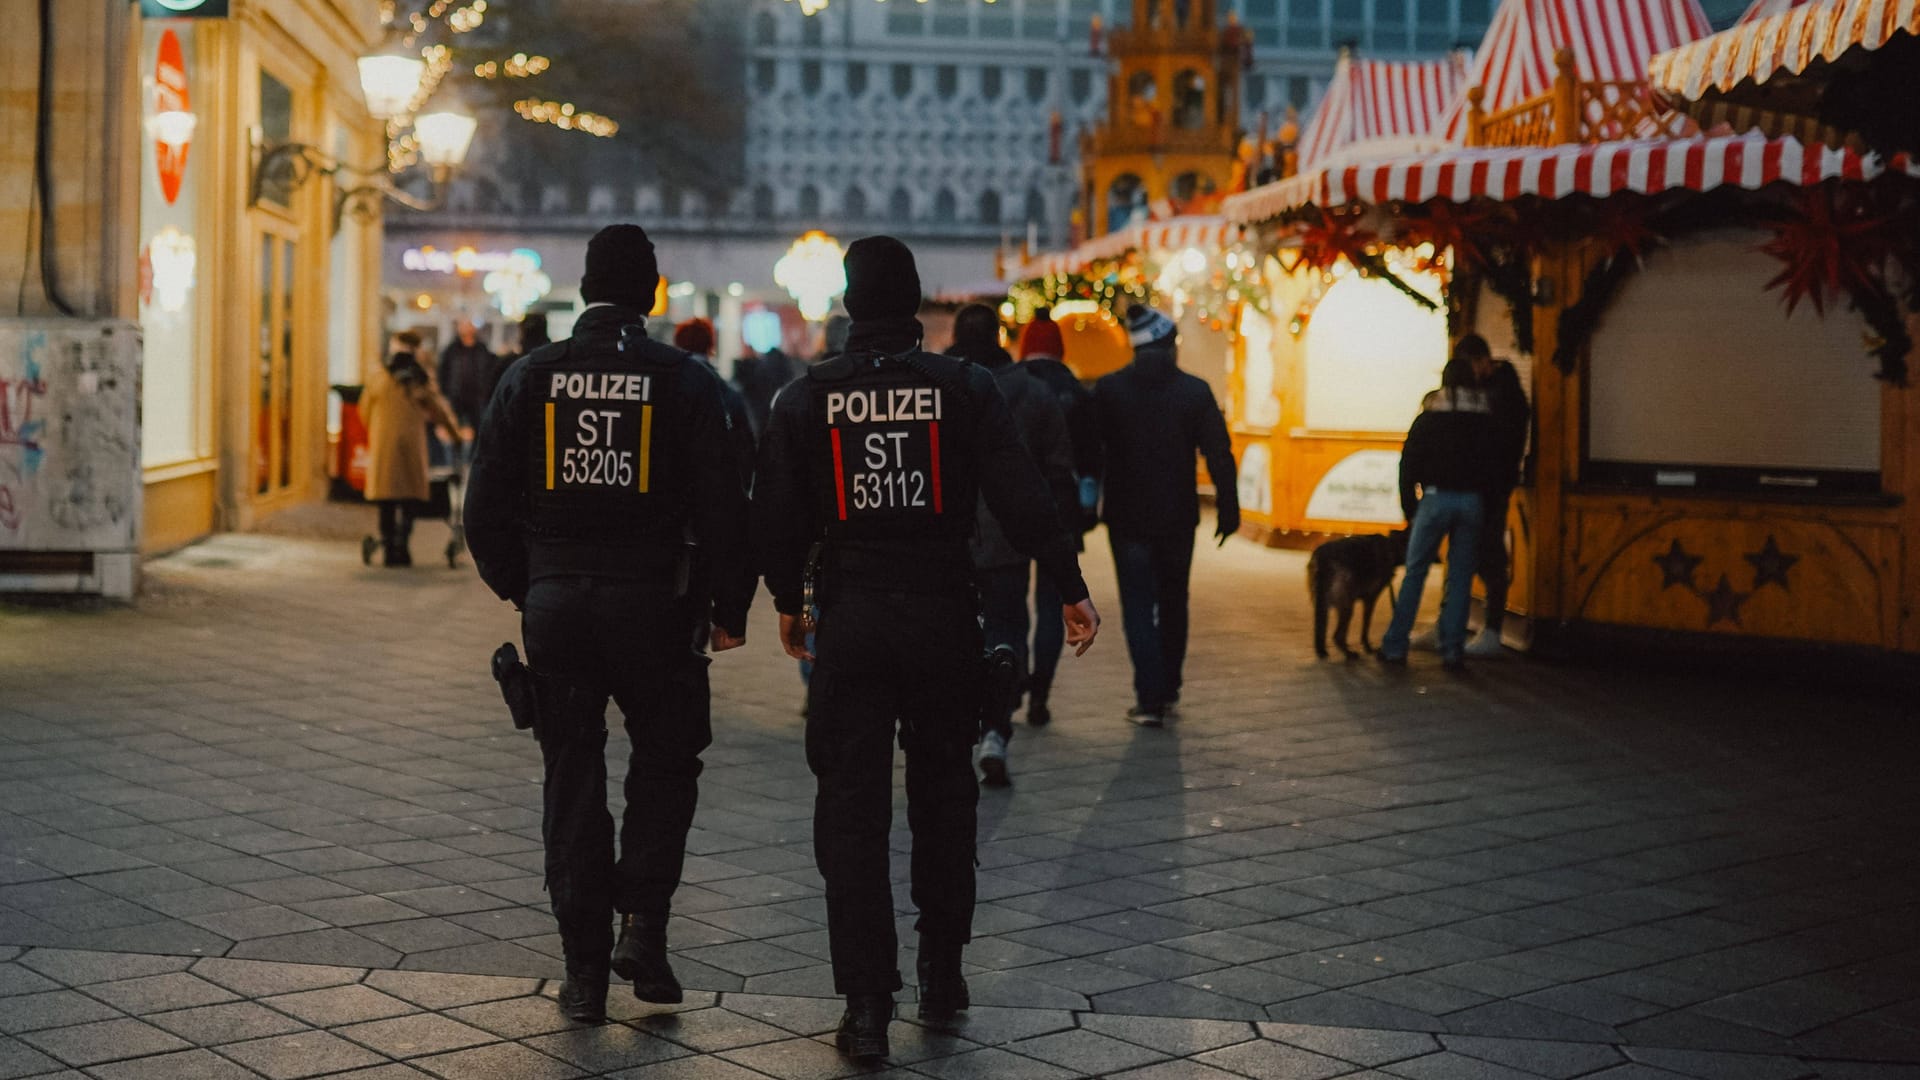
column 635, row 642
column 888, row 661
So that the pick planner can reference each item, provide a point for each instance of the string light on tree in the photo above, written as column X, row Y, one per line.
column 566, row 117
column 517, row 66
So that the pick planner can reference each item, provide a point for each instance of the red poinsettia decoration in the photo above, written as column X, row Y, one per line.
column 1465, row 229
column 1621, row 223
column 1335, row 236
column 1830, row 245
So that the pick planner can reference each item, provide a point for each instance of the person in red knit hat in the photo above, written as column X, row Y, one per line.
column 1043, row 350
column 696, row 336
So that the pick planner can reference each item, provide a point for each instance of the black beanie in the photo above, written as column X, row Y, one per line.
column 621, row 268
column 881, row 280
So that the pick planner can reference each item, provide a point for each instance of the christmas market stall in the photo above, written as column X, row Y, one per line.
column 1725, row 440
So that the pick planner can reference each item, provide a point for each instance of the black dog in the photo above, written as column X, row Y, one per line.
column 1341, row 572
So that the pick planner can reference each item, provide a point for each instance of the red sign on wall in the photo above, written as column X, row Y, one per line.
column 171, row 138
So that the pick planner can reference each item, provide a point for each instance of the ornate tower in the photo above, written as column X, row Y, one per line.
column 1167, row 143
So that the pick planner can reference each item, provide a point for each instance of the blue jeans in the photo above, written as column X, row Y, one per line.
column 1003, row 621
column 1457, row 517
column 1153, row 572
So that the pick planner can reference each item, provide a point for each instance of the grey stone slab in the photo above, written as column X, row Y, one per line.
column 1362, row 1046
column 261, row 978
column 185, row 1065
column 338, row 1005
column 517, row 1018
column 104, row 1041
column 160, row 993
column 1086, row 1052
column 15, row 979
column 212, row 1025
column 1707, row 1065
column 330, row 947
column 501, row 1061
column 445, row 991
column 1267, row 1060
column 243, row 924
column 811, row 1016
column 447, row 899
column 300, row 1055
column 1172, row 1036
column 75, row 968
column 709, row 1031
column 1557, row 1060
column 607, row 1047
column 415, row 1036
column 488, row 958
column 17, row 1059
column 1450, row 1066
column 1190, row 1069
column 704, row 1068
column 50, row 1009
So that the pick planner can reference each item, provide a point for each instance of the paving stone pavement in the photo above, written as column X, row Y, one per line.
column 273, row 822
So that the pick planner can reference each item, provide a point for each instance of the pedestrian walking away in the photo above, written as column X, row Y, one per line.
column 466, row 370
column 399, row 403
column 1002, row 570
column 1512, row 421
column 1153, row 419
column 696, row 337
column 605, row 503
column 1043, row 355
column 870, row 469
column 1448, row 467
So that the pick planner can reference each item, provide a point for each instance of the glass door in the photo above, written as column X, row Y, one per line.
column 275, row 348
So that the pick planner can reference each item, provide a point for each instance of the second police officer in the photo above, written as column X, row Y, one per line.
column 870, row 471
column 603, row 465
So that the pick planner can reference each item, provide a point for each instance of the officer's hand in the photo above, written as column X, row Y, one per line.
column 722, row 641
column 1083, row 624
column 793, row 637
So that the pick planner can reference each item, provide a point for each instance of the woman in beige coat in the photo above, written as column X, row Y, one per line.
column 399, row 401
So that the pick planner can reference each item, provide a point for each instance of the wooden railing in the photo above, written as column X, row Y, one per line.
column 1573, row 111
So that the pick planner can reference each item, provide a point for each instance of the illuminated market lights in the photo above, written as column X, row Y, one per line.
column 517, row 66
column 564, row 116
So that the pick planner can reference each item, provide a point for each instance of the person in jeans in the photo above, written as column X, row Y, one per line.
column 1153, row 417
column 1447, row 472
column 1000, row 569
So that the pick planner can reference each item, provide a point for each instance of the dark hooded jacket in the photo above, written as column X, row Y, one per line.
column 1153, row 417
column 1043, row 431
column 1083, row 427
column 1454, row 445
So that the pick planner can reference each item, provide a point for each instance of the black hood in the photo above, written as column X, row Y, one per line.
column 1156, row 363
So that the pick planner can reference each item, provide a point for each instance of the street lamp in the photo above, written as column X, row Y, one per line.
column 390, row 82
column 813, row 272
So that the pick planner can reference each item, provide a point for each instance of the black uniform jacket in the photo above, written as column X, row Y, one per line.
column 1153, row 417
column 786, row 511
column 498, row 486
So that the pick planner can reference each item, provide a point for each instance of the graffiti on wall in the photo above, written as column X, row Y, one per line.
column 69, row 438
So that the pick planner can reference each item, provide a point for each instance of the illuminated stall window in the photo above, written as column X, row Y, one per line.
column 1372, row 354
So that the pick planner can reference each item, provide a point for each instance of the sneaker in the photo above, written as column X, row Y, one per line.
column 1427, row 640
column 993, row 760
column 1147, row 717
column 1486, row 646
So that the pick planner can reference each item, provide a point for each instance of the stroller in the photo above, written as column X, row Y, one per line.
column 446, row 498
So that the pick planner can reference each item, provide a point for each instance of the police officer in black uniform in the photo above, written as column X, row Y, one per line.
column 606, row 504
column 870, row 471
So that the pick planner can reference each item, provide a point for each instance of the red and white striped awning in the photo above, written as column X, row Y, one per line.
column 1376, row 106
column 1781, row 44
column 1764, row 8
column 1611, row 41
column 1645, row 166
column 1208, row 233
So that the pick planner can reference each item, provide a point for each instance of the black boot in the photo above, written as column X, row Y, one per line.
column 943, row 991
column 1038, row 715
column 583, row 997
column 641, row 956
column 863, row 1028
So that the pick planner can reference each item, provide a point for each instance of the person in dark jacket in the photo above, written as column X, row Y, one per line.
column 466, row 369
column 1448, row 468
column 600, row 461
column 760, row 378
column 1153, row 417
column 1001, row 569
column 1512, row 420
column 1043, row 355
column 696, row 337
column 533, row 334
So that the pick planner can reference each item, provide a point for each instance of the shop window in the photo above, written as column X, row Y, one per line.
column 902, row 80
column 1760, row 400
column 946, row 81
column 946, row 208
column 1372, row 354
column 276, row 128
column 990, row 208
column 1189, row 100
column 856, row 80
column 992, row 81
column 809, row 202
column 854, row 205
column 900, row 206
column 810, row 77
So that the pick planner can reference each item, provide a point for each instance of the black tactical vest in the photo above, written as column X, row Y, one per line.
column 891, row 451
column 606, row 445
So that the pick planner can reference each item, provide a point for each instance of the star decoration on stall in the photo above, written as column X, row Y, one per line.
column 1724, row 602
column 1677, row 567
column 1770, row 564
